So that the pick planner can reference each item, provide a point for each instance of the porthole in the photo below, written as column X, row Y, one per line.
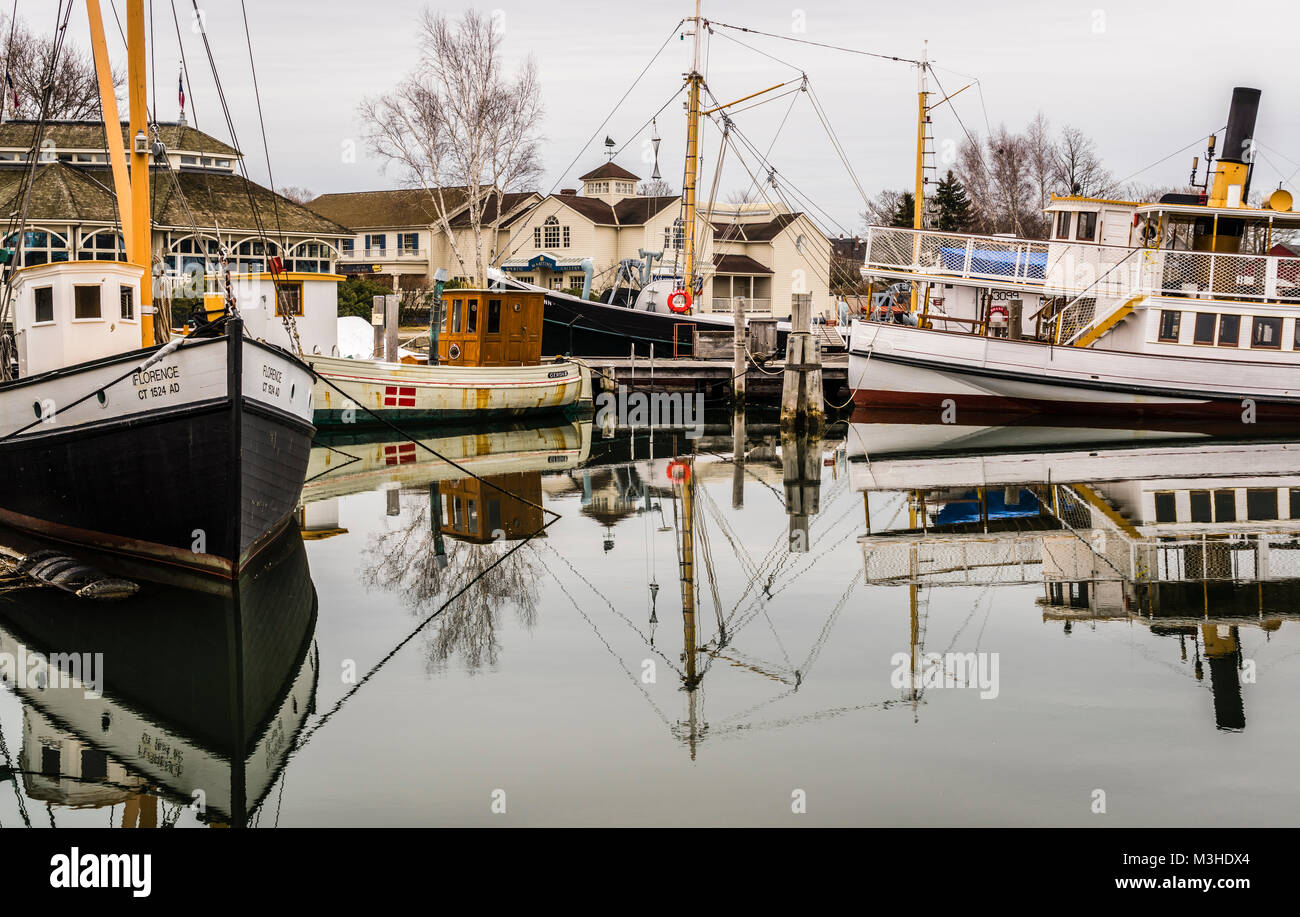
column 36, row 408
column 104, row 722
column 102, row 397
column 454, row 351
column 292, row 389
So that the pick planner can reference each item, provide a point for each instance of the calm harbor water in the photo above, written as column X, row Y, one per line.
column 550, row 680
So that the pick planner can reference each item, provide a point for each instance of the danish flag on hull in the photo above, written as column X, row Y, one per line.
column 399, row 396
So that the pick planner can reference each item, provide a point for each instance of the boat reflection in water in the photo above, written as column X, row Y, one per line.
column 1182, row 529
column 203, row 694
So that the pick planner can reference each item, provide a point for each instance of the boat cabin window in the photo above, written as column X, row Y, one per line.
column 1063, row 224
column 1225, row 506
column 1203, row 333
column 126, row 295
column 494, row 316
column 457, row 308
column 1166, row 510
column 1170, row 322
column 85, row 301
column 1087, row 231
column 1296, row 346
column 1200, row 506
column 1295, row 503
column 1229, row 330
column 288, row 299
column 44, row 299
column 471, row 316
column 1261, row 504
column 1267, row 333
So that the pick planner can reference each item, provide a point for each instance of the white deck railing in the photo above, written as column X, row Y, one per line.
column 1072, row 268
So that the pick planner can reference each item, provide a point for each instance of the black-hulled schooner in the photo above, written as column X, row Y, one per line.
column 190, row 453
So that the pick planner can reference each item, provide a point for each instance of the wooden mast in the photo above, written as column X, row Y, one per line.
column 918, row 196
column 141, row 224
column 131, row 188
column 693, row 81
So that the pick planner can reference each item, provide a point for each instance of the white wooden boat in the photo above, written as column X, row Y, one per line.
column 417, row 393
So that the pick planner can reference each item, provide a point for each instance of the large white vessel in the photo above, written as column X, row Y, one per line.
column 1184, row 307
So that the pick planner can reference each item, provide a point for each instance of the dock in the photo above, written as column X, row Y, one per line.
column 713, row 376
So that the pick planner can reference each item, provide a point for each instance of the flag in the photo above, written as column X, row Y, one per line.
column 12, row 88
column 180, row 89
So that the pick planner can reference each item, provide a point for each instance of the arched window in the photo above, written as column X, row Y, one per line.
column 551, row 232
column 250, row 255
column 40, row 246
column 312, row 256
column 675, row 235
column 103, row 245
column 193, row 254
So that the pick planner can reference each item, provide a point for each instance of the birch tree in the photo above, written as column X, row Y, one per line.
column 462, row 128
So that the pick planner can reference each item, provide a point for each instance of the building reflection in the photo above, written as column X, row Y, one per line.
column 1194, row 537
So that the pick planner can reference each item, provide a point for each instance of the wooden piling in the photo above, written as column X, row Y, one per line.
column 802, row 406
column 739, row 344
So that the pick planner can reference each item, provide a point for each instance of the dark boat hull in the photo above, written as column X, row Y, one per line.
column 200, row 481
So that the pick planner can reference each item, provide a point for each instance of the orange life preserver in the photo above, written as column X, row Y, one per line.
column 679, row 301
column 681, row 476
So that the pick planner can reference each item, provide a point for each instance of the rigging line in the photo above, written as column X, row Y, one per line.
column 305, row 736
column 194, row 113
column 604, row 598
column 960, row 123
column 261, row 121
column 836, row 142
column 783, row 63
column 9, row 766
column 601, row 637
column 806, row 41
column 113, row 6
column 1182, row 149
column 596, row 133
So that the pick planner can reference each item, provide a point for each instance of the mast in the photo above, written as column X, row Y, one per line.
column 131, row 188
column 918, row 196
column 141, row 226
column 693, row 82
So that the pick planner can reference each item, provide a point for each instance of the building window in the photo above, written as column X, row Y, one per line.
column 102, row 246
column 346, row 246
column 44, row 301
column 566, row 237
column 288, row 299
column 1063, row 225
column 494, row 316
column 1203, row 332
column 557, row 282
column 85, row 301
column 1229, row 330
column 675, row 235
column 1267, row 333
column 537, row 237
column 1169, row 325
column 40, row 247
column 376, row 243
column 551, row 232
column 126, row 295
column 576, row 281
column 408, row 241
column 1087, row 230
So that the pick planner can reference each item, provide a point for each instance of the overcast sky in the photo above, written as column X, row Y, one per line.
column 1144, row 82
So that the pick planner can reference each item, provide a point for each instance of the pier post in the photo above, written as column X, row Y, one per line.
column 738, row 459
column 801, row 474
column 1015, row 317
column 383, row 316
column 739, row 345
column 802, row 406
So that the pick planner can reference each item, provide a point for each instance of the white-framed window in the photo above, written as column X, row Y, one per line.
column 40, row 246
column 104, row 245
column 557, row 282
column 126, row 296
column 408, row 241
column 377, row 243
column 675, row 235
column 551, row 232
column 43, row 300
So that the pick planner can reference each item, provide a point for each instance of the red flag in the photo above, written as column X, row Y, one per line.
column 180, row 89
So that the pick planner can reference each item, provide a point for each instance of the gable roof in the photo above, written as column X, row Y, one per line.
column 754, row 232
column 609, row 170
column 593, row 208
column 631, row 211
column 402, row 207
column 738, row 264
column 510, row 201
column 65, row 193
column 89, row 135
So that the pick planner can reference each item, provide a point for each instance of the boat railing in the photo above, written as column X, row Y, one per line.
column 961, row 256
column 724, row 304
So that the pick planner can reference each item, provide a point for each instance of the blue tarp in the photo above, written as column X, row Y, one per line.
column 968, row 509
column 1031, row 265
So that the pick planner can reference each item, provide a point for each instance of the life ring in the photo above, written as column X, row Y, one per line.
column 679, row 301
column 679, row 476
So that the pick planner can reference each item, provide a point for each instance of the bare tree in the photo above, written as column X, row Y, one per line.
column 1041, row 151
column 75, row 92
column 655, row 187
column 460, row 123
column 298, row 194
column 1078, row 168
column 881, row 209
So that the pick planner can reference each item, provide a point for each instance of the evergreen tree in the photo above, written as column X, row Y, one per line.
column 903, row 214
column 952, row 205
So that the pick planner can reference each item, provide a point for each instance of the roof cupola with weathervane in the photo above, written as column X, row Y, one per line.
column 609, row 183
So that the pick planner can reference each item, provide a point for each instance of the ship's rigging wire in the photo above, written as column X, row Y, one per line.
column 806, row 41
column 1181, row 149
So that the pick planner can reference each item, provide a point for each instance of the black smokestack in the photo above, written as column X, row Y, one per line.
column 1241, row 125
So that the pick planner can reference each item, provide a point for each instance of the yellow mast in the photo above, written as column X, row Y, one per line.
column 132, row 189
column 690, row 639
column 141, row 226
column 693, row 81
column 918, row 196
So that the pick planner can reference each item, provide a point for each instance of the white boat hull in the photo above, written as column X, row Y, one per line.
column 899, row 366
column 355, row 391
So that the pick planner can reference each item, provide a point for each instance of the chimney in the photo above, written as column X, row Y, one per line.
column 1232, row 180
column 568, row 190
